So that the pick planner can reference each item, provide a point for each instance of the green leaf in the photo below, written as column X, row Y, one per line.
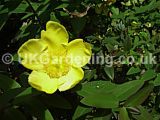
column 144, row 114
column 123, row 114
column 64, row 5
column 101, row 100
column 81, row 111
column 78, row 24
column 25, row 95
column 21, row 8
column 4, row 17
column 95, row 86
column 48, row 115
column 12, row 114
column 148, row 66
column 139, row 97
column 53, row 17
column 27, row 16
column 23, row 79
column 28, row 91
column 37, row 109
column 89, row 74
column 110, row 72
column 125, row 90
column 107, row 117
column 157, row 80
column 133, row 70
column 122, row 91
column 3, row 9
column 115, row 11
column 7, row 83
column 152, row 5
column 56, row 101
column 8, row 96
column 111, row 40
column 12, row 4
column 149, row 74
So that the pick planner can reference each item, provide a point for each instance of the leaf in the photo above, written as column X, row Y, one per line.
column 48, row 115
column 125, row 90
column 13, row 114
column 78, row 24
column 81, row 111
column 152, row 5
column 133, row 70
column 115, row 11
column 121, row 92
column 28, row 91
column 149, row 74
column 7, row 83
column 21, row 8
column 148, row 66
column 107, row 117
column 144, row 114
column 99, row 8
column 53, row 17
column 9, row 95
column 25, row 94
column 89, row 74
column 12, row 4
column 23, row 79
column 101, row 100
column 27, row 16
column 95, row 86
column 111, row 40
column 108, row 95
column 56, row 101
column 3, row 9
column 3, row 20
column 37, row 109
column 110, row 72
column 139, row 97
column 123, row 115
column 64, row 5
column 157, row 80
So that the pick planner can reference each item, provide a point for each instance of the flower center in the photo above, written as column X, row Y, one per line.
column 56, row 69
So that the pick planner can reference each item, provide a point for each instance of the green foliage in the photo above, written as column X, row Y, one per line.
column 124, row 86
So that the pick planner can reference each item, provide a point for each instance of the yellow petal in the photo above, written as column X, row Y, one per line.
column 32, row 65
column 79, row 52
column 32, row 46
column 30, row 53
column 42, row 82
column 74, row 76
column 55, row 34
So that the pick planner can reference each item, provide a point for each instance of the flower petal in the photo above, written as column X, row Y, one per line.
column 30, row 52
column 55, row 34
column 79, row 52
column 32, row 65
column 42, row 82
column 74, row 76
column 32, row 46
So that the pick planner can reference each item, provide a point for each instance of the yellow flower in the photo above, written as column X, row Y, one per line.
column 56, row 64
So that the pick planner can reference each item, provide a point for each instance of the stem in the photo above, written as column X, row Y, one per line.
column 35, row 13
